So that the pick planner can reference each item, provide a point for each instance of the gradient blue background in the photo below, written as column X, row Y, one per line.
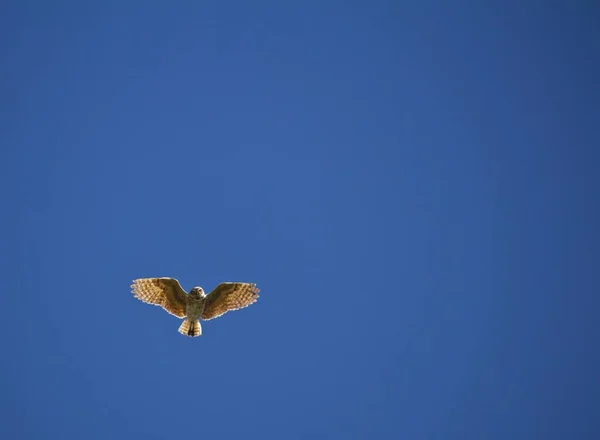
column 413, row 185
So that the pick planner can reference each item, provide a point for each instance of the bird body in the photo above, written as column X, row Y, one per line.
column 168, row 294
column 196, row 301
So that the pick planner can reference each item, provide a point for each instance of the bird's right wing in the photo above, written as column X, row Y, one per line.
column 164, row 292
column 229, row 296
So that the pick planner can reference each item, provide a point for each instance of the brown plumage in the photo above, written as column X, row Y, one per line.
column 168, row 294
column 229, row 296
column 190, row 328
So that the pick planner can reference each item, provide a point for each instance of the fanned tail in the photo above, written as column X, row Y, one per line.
column 190, row 328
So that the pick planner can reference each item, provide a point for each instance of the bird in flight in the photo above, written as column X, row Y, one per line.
column 168, row 294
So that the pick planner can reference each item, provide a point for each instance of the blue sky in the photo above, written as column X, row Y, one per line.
column 413, row 186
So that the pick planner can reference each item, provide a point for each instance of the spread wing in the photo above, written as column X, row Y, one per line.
column 164, row 292
column 229, row 296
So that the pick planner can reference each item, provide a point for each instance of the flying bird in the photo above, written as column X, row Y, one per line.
column 168, row 294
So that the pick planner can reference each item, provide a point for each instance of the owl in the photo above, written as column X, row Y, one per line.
column 168, row 294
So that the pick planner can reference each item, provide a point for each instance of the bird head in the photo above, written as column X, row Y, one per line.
column 198, row 291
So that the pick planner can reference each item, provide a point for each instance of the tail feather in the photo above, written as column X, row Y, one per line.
column 190, row 328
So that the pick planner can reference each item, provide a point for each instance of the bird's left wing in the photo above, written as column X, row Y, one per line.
column 229, row 296
column 164, row 292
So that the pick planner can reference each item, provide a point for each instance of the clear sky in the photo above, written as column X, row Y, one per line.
column 413, row 186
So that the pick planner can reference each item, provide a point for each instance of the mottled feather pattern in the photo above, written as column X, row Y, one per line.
column 163, row 292
column 168, row 294
column 229, row 296
column 190, row 328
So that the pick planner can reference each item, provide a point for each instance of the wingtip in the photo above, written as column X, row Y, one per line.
column 134, row 286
